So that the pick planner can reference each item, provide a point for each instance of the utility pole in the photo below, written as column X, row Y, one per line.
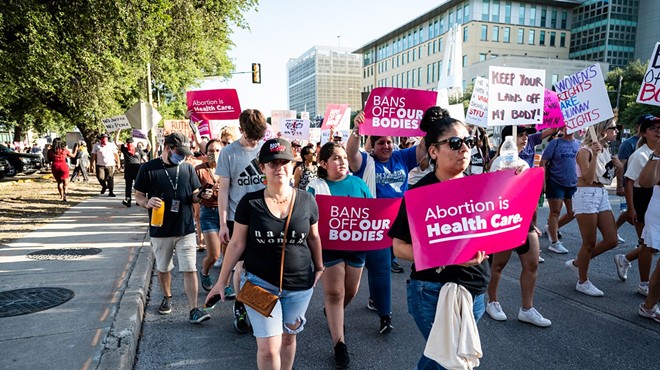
column 154, row 128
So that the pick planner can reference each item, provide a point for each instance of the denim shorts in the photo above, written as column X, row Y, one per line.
column 209, row 219
column 353, row 259
column 556, row 191
column 186, row 252
column 591, row 200
column 290, row 309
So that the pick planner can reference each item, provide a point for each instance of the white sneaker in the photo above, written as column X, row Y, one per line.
column 643, row 289
column 620, row 239
column 218, row 263
column 558, row 247
column 589, row 289
column 622, row 266
column 494, row 310
column 532, row 316
column 541, row 259
column 574, row 269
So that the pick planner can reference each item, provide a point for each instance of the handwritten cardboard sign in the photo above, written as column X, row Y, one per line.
column 476, row 213
column 477, row 113
column 552, row 116
column 583, row 99
column 177, row 125
column 220, row 104
column 277, row 118
column 356, row 224
column 649, row 93
column 336, row 115
column 515, row 96
column 116, row 123
column 396, row 112
column 296, row 129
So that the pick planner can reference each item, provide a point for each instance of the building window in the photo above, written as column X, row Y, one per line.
column 485, row 10
column 484, row 33
column 553, row 19
column 532, row 16
column 507, row 34
column 562, row 40
column 428, row 49
column 415, row 39
column 434, row 46
column 530, row 37
column 432, row 72
column 440, row 45
column 419, row 76
column 555, row 79
column 428, row 74
column 507, row 12
column 482, row 57
column 465, row 34
column 544, row 16
column 466, row 13
column 496, row 33
column 564, row 19
column 542, row 38
column 465, row 61
column 451, row 18
column 430, row 31
column 521, row 35
column 521, row 15
column 413, row 79
column 459, row 15
column 553, row 36
column 496, row 11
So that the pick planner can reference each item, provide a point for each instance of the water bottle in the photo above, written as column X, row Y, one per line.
column 509, row 153
column 623, row 206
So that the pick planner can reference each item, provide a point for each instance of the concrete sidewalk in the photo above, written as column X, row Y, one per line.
column 99, row 327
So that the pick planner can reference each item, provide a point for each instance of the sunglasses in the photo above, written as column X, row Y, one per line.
column 612, row 128
column 225, row 143
column 456, row 143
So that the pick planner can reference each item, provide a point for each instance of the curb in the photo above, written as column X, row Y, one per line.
column 122, row 341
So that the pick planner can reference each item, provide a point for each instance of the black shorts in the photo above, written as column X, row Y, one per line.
column 641, row 199
column 525, row 247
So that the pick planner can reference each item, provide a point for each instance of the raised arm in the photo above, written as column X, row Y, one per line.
column 353, row 144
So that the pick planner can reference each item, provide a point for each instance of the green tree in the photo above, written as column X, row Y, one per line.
column 71, row 63
column 629, row 109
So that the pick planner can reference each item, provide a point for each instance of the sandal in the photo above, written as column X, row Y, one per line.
column 538, row 231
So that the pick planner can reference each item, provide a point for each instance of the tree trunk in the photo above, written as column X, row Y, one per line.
column 18, row 132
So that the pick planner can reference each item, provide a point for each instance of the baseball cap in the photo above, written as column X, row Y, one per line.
column 508, row 130
column 648, row 121
column 180, row 143
column 338, row 135
column 644, row 117
column 275, row 149
column 103, row 135
column 295, row 143
column 129, row 140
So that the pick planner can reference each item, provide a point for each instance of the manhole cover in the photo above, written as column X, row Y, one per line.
column 63, row 254
column 24, row 301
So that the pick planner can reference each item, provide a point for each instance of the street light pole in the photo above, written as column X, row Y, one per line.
column 618, row 93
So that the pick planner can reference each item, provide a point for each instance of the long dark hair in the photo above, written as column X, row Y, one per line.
column 326, row 152
column 435, row 122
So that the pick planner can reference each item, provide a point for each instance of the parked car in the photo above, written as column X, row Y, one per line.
column 19, row 162
column 4, row 164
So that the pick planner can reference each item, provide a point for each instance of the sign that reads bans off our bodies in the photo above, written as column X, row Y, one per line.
column 476, row 213
column 392, row 111
column 515, row 96
column 356, row 224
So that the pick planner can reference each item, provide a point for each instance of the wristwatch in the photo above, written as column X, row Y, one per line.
column 653, row 157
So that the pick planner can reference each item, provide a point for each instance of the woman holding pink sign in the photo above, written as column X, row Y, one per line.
column 449, row 145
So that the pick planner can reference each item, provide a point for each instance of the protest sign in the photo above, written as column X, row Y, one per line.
column 356, row 224
column 315, row 135
column 138, row 134
column 649, row 93
column 477, row 113
column 277, row 118
column 457, row 111
column 583, row 99
column 396, row 112
column 220, row 104
column 517, row 94
column 442, row 100
column 336, row 115
column 476, row 213
column 304, row 115
column 552, row 116
column 296, row 129
column 177, row 125
column 116, row 123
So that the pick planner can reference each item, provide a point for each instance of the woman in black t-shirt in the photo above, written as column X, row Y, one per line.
column 258, row 237
column 448, row 146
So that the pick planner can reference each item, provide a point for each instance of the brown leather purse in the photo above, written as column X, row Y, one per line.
column 258, row 298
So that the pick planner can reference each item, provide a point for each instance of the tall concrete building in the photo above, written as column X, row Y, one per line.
column 648, row 32
column 324, row 75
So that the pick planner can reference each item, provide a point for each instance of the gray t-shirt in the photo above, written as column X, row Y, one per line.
column 239, row 164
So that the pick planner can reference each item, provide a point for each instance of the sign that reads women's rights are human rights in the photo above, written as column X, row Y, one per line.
column 356, row 224
column 392, row 111
column 451, row 221
column 219, row 104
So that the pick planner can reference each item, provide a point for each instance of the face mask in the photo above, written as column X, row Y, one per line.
column 177, row 158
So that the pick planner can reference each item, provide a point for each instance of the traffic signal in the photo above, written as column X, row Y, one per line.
column 256, row 73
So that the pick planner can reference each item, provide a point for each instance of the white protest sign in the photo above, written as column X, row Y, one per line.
column 304, row 115
column 277, row 118
column 477, row 113
column 116, row 123
column 456, row 111
column 315, row 135
column 442, row 100
column 649, row 93
column 515, row 96
column 296, row 129
column 583, row 99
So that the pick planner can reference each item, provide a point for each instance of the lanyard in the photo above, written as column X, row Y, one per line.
column 174, row 184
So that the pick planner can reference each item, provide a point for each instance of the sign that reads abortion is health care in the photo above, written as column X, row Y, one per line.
column 583, row 99
column 515, row 96
column 220, row 104
column 396, row 112
column 649, row 93
column 476, row 213
column 356, row 224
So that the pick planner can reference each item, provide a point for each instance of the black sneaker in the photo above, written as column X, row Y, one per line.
column 112, row 195
column 241, row 324
column 396, row 268
column 386, row 324
column 197, row 315
column 126, row 203
column 207, row 282
column 165, row 306
column 103, row 189
column 371, row 305
column 341, row 356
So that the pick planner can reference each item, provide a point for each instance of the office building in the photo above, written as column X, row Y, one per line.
column 648, row 32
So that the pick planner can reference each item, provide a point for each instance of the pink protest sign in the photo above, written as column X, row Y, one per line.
column 221, row 104
column 334, row 115
column 396, row 112
column 356, row 224
column 204, row 129
column 485, row 212
column 552, row 116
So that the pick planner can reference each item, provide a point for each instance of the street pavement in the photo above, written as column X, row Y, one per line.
column 101, row 326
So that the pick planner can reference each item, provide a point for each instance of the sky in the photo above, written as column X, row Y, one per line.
column 284, row 29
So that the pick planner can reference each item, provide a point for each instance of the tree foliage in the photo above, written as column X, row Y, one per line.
column 629, row 109
column 71, row 63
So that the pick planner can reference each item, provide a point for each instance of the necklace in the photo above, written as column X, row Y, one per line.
column 278, row 201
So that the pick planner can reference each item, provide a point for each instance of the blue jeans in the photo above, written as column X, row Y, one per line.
column 422, row 303
column 379, row 264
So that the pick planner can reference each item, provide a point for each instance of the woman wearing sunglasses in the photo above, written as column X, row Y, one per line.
column 386, row 173
column 595, row 168
column 449, row 145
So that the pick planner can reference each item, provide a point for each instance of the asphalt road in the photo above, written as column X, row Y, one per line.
column 586, row 332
